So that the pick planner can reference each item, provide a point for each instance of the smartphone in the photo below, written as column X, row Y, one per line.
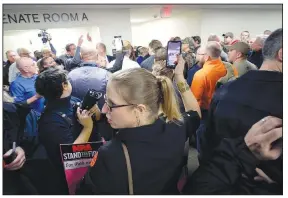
column 173, row 49
column 90, row 99
column 12, row 157
column 118, row 43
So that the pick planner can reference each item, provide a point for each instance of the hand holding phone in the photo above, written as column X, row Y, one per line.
column 90, row 99
column 173, row 49
column 179, row 69
column 18, row 156
column 9, row 158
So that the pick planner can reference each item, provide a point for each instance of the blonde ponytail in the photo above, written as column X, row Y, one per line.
column 167, row 98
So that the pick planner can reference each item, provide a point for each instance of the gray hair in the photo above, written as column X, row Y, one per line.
column 273, row 44
column 7, row 52
column 260, row 39
column 213, row 37
column 23, row 52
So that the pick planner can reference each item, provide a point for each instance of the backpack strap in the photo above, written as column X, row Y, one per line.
column 129, row 169
column 61, row 114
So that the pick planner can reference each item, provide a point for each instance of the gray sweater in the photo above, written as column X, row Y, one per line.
column 148, row 63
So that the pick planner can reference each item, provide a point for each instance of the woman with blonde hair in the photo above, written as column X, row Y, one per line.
column 145, row 156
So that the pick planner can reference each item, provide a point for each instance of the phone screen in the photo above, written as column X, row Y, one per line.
column 118, row 43
column 173, row 49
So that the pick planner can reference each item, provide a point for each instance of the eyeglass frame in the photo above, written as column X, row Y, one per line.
column 201, row 54
column 110, row 108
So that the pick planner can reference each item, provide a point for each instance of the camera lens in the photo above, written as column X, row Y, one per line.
column 44, row 40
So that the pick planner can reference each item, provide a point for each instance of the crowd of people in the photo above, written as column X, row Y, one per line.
column 224, row 98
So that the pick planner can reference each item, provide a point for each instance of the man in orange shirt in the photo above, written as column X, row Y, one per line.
column 204, row 81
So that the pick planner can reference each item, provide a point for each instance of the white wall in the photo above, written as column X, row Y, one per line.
column 60, row 37
column 203, row 22
column 110, row 22
column 182, row 24
column 256, row 21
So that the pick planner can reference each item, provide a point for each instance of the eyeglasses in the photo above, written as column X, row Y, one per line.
column 201, row 54
column 112, row 106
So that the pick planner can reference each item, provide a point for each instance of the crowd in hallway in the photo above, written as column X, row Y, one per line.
column 224, row 98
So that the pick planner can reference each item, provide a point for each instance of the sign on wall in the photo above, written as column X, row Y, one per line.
column 43, row 18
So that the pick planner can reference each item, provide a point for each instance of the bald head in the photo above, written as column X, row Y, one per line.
column 201, row 50
column 213, row 49
column 26, row 66
column 89, row 54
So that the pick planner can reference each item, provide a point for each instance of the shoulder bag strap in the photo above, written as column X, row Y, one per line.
column 129, row 170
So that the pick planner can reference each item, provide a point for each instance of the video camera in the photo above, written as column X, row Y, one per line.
column 45, row 36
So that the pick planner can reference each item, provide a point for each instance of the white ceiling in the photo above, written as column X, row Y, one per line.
column 73, row 6
column 130, row 6
column 140, row 15
column 140, row 12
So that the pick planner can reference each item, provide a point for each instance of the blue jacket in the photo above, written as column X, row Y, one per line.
column 190, row 74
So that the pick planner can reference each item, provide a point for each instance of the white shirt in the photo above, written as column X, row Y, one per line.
column 127, row 64
column 13, row 72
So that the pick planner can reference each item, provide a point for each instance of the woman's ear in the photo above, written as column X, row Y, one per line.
column 280, row 55
column 141, row 108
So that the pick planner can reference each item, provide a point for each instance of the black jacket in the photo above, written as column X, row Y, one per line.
column 110, row 58
column 54, row 129
column 156, row 153
column 230, row 171
column 6, row 73
column 256, row 58
column 74, row 62
column 13, row 129
column 118, row 62
column 237, row 106
column 64, row 57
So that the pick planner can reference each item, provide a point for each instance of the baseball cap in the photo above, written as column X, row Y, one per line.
column 228, row 34
column 242, row 47
column 189, row 41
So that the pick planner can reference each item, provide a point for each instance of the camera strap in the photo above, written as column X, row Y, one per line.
column 65, row 117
